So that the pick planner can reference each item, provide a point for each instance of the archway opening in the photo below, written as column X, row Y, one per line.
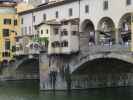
column 125, row 29
column 88, row 30
column 104, row 72
column 106, row 28
column 29, row 69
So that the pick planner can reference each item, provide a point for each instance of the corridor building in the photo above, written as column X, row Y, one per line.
column 101, row 22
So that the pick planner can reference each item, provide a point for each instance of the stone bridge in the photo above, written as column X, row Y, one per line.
column 94, row 66
column 113, row 61
column 23, row 67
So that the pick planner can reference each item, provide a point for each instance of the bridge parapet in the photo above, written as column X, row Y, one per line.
column 107, row 48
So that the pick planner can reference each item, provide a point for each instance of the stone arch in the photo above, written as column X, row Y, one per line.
column 106, row 31
column 101, row 60
column 89, row 58
column 105, row 72
column 28, row 67
column 125, row 28
column 88, row 29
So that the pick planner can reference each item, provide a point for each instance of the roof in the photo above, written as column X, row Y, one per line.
column 48, row 5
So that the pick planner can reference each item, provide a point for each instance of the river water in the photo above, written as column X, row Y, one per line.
column 29, row 90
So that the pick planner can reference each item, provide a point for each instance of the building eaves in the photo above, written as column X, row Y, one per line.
column 47, row 6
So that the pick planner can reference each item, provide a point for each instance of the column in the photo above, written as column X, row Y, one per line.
column 96, row 37
column 117, row 36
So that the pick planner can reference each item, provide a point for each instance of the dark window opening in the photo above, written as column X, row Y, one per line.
column 57, row 14
column 64, row 32
column 34, row 18
column 13, row 48
column 128, row 2
column 7, row 21
column 70, row 12
column 22, row 20
column 15, row 22
column 74, row 32
column 7, row 45
column 56, row 31
column 44, row 17
column 5, row 32
column 105, row 5
column 64, row 44
column 86, row 9
column 47, row 31
column 41, row 31
column 6, row 54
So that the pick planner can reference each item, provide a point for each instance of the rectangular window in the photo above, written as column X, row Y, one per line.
column 22, row 20
column 13, row 48
column 7, row 45
column 7, row 21
column 105, row 5
column 44, row 17
column 5, row 32
column 41, row 31
column 34, row 18
column 74, row 33
column 56, row 31
column 56, row 14
column 86, row 9
column 70, row 12
column 128, row 2
column 64, row 32
column 6, row 54
column 46, row 31
column 15, row 22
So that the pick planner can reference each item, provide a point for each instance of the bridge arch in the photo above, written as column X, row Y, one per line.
column 106, row 31
column 108, row 55
column 103, row 71
column 104, row 63
column 88, row 29
column 28, row 68
column 124, row 26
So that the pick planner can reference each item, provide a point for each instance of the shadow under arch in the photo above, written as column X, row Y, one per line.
column 28, row 68
column 105, row 65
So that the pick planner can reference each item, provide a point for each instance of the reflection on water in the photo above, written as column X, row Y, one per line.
column 29, row 90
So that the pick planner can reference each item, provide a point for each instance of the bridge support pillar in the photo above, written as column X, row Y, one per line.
column 51, row 78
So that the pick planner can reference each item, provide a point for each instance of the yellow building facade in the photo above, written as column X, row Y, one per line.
column 9, row 28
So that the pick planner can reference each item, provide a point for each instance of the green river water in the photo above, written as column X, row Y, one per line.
column 29, row 90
